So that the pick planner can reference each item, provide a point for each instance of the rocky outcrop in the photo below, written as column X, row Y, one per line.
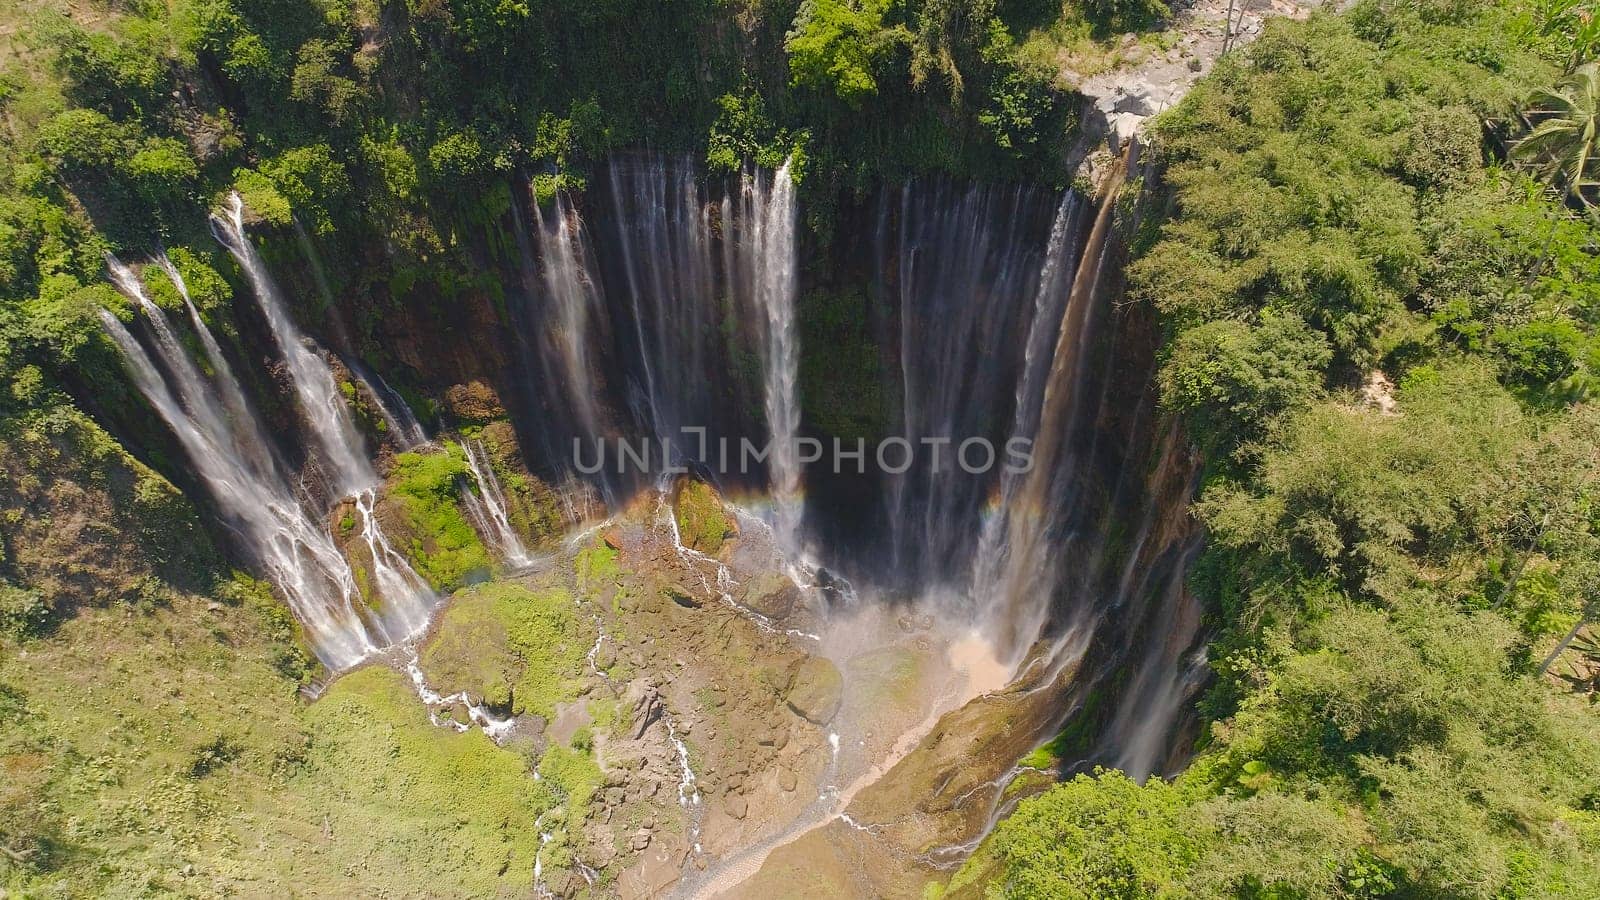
column 1116, row 103
column 702, row 522
column 685, row 702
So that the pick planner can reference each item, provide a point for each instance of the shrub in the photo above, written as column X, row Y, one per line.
column 23, row 612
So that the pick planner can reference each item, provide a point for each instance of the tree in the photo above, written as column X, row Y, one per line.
column 837, row 44
column 1233, row 378
column 162, row 171
column 947, row 29
column 1126, row 15
column 82, row 140
column 1565, row 140
column 1576, row 22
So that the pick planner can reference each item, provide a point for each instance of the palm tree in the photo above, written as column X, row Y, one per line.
column 1574, row 22
column 1590, row 611
column 1565, row 140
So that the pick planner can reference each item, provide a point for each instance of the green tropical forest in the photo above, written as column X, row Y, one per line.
column 800, row 448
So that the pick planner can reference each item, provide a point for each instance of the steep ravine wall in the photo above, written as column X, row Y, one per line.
column 1117, row 667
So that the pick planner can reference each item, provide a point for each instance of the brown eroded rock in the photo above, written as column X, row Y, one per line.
column 474, row 402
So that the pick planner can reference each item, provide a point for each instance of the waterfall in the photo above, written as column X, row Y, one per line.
column 224, row 439
column 664, row 239
column 251, row 490
column 1032, row 509
column 407, row 599
column 999, row 564
column 332, row 430
column 770, row 214
column 191, row 386
column 574, row 303
column 487, row 507
column 1171, row 670
column 670, row 308
column 962, row 266
column 403, row 427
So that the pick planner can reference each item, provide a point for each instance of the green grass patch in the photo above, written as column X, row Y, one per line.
column 595, row 567
column 385, row 779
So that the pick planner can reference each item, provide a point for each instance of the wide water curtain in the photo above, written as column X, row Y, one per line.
column 665, row 274
column 651, row 295
column 962, row 266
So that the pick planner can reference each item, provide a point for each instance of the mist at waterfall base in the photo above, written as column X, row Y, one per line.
column 662, row 299
column 992, row 309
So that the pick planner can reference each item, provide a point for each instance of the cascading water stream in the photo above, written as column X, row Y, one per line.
column 333, row 432
column 407, row 599
column 487, row 507
column 1013, row 563
column 993, row 566
column 494, row 726
column 652, row 308
column 252, row 493
column 226, row 382
column 197, row 398
column 220, row 432
column 403, row 428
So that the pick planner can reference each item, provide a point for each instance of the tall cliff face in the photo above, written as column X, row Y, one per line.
column 945, row 324
column 1013, row 519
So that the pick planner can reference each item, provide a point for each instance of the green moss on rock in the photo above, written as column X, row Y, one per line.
column 596, row 567
column 517, row 648
column 702, row 522
column 425, row 489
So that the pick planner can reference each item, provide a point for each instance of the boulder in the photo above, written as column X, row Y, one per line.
column 772, row 594
column 815, row 690
column 702, row 522
column 680, row 595
column 645, row 706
